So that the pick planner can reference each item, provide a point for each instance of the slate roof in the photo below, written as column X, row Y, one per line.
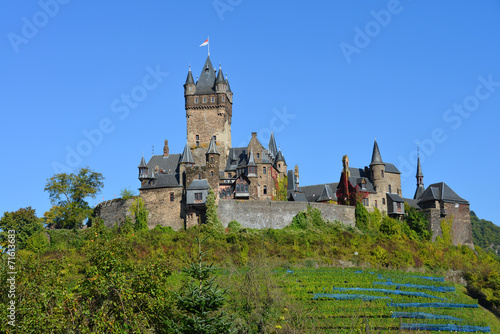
column 240, row 155
column 390, row 168
column 265, row 157
column 419, row 169
column 327, row 194
column 199, row 185
column 189, row 79
column 376, row 157
column 212, row 147
column 169, row 164
column 163, row 181
column 420, row 190
column 272, row 148
column 220, row 76
column 251, row 160
column 313, row 192
column 395, row 197
column 143, row 163
column 292, row 183
column 441, row 192
column 280, row 157
column 298, row 196
column 187, row 157
column 205, row 84
column 412, row 202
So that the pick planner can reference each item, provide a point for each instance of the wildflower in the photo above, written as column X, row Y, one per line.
column 282, row 318
column 278, row 326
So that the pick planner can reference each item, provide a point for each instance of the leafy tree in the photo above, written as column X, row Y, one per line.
column 390, row 226
column 140, row 214
column 67, row 194
column 200, row 300
column 126, row 193
column 212, row 217
column 417, row 222
column 24, row 221
column 281, row 185
column 362, row 217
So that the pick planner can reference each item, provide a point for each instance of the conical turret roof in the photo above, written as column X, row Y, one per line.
column 187, row 157
column 189, row 79
column 220, row 76
column 376, row 157
column 205, row 84
column 419, row 169
column 143, row 163
column 272, row 148
column 280, row 157
column 212, row 147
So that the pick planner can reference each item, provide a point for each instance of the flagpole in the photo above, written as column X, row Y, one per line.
column 208, row 45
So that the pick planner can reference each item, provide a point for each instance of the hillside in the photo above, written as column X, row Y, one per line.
column 130, row 279
column 486, row 234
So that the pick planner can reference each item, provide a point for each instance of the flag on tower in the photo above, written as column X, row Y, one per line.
column 204, row 43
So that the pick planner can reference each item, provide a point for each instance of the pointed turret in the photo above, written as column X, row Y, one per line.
column 420, row 181
column 212, row 147
column 189, row 86
column 227, row 84
column 272, row 148
column 280, row 157
column 143, row 169
column 220, row 76
column 251, row 160
column 376, row 157
column 206, row 82
column 187, row 157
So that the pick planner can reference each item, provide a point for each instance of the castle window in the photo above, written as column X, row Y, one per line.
column 382, row 173
column 264, row 170
column 211, row 173
column 196, row 100
column 258, row 155
column 376, row 204
column 246, row 188
column 199, row 176
column 279, row 165
column 223, row 99
column 366, row 202
column 211, row 159
column 383, row 201
column 171, row 197
column 390, row 189
column 197, row 143
column 198, row 196
column 197, row 137
column 213, row 99
column 237, row 187
column 265, row 190
column 204, row 100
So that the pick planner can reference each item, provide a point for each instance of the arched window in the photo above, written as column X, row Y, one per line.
column 382, row 173
column 383, row 201
column 238, row 187
column 211, row 173
column 264, row 170
column 265, row 190
column 246, row 188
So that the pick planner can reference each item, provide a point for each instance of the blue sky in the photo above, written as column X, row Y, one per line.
column 326, row 77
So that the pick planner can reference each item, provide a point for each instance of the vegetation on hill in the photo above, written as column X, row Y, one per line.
column 486, row 234
column 130, row 280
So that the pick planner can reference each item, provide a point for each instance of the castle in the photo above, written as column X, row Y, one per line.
column 175, row 187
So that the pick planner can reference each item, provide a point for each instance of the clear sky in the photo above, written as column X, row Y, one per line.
column 98, row 84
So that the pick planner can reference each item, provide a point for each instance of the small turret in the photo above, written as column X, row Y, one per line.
column 143, row 170
column 272, row 148
column 189, row 86
column 212, row 154
column 220, row 83
column 281, row 163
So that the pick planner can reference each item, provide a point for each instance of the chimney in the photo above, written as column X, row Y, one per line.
column 296, row 172
column 254, row 134
column 165, row 149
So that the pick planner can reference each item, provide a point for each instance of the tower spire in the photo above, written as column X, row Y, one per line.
column 420, row 178
column 376, row 157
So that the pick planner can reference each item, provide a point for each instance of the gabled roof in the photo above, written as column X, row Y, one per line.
column 441, row 192
column 189, row 79
column 239, row 154
column 412, row 202
column 166, row 165
column 199, row 185
column 297, row 196
column 272, row 148
column 327, row 194
column 313, row 192
column 187, row 157
column 376, row 157
column 163, row 181
column 143, row 162
column 212, row 147
column 205, row 84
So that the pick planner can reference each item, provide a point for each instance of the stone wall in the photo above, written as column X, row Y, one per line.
column 113, row 211
column 162, row 211
column 276, row 215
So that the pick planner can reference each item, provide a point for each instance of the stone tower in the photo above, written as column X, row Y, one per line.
column 208, row 104
column 377, row 167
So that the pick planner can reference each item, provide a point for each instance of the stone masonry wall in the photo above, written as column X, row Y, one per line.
column 461, row 228
column 113, row 211
column 162, row 211
column 276, row 215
